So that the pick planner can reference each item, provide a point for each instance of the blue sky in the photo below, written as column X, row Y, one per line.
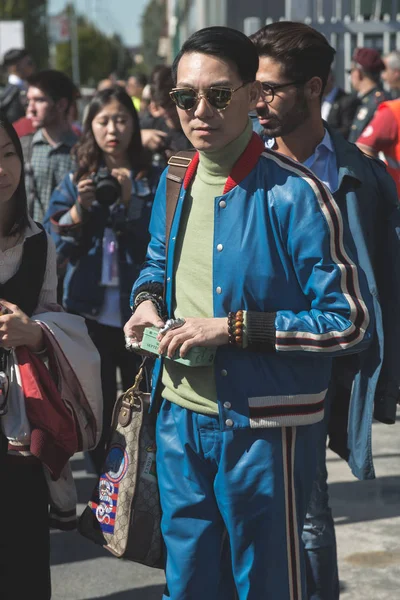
column 119, row 16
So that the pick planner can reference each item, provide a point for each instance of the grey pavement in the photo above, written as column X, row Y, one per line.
column 367, row 517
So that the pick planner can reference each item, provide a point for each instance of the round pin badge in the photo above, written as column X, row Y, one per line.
column 116, row 463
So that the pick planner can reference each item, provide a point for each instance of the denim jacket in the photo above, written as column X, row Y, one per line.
column 81, row 246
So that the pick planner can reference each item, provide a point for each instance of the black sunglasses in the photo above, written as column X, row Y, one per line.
column 269, row 91
column 218, row 97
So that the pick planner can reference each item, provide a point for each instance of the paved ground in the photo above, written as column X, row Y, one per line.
column 367, row 516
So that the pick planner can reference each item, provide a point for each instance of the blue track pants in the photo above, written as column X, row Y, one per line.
column 254, row 484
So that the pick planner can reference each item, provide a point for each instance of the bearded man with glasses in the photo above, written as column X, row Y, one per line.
column 289, row 113
column 236, row 440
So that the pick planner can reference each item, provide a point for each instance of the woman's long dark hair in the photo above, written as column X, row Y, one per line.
column 20, row 218
column 87, row 152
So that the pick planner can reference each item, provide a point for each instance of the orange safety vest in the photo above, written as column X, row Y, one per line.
column 392, row 154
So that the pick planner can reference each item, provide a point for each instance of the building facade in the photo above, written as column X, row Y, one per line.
column 346, row 23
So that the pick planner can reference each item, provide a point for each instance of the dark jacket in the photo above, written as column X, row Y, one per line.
column 82, row 245
column 368, row 103
column 342, row 112
column 367, row 385
column 11, row 104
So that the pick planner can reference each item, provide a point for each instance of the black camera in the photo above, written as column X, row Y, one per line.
column 108, row 189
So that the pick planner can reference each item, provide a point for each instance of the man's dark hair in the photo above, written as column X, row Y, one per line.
column 302, row 51
column 13, row 56
column 141, row 79
column 19, row 200
column 228, row 44
column 373, row 76
column 161, row 84
column 55, row 84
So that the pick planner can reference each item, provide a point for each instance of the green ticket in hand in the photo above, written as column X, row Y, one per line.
column 196, row 357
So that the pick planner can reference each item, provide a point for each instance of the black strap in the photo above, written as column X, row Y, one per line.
column 177, row 167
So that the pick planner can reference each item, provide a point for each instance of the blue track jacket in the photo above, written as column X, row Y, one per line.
column 286, row 249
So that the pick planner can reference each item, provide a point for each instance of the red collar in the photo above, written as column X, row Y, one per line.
column 242, row 167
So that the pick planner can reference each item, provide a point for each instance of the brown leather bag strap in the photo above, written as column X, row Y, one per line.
column 178, row 165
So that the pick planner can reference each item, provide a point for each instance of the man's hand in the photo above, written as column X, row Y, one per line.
column 144, row 316
column 195, row 332
column 153, row 139
column 17, row 329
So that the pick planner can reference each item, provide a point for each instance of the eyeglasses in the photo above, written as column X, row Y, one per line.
column 269, row 91
column 217, row 96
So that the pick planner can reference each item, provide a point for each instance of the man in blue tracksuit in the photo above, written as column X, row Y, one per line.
column 368, row 383
column 260, row 266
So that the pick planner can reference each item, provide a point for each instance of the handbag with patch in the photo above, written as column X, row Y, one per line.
column 124, row 514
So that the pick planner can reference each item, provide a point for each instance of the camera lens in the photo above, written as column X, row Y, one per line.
column 108, row 189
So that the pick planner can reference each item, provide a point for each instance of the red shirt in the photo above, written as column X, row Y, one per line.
column 381, row 131
column 23, row 126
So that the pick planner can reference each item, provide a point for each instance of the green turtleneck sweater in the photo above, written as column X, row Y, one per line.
column 194, row 387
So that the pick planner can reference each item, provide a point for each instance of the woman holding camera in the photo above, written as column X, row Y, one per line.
column 99, row 218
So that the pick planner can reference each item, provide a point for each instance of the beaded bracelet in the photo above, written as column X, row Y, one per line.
column 235, row 328
column 157, row 302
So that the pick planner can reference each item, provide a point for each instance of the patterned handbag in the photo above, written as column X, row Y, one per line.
column 124, row 512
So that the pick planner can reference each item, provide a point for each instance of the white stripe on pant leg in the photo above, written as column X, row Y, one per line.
column 285, row 483
column 292, row 536
column 296, row 529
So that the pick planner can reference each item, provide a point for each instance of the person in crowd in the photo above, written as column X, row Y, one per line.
column 237, row 440
column 145, row 100
column 44, row 354
column 365, row 74
column 134, row 87
column 19, row 66
column 105, row 84
column 381, row 138
column 338, row 108
column 47, row 152
column 162, row 117
column 99, row 218
column 295, row 61
column 74, row 116
column 391, row 74
column 152, row 139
